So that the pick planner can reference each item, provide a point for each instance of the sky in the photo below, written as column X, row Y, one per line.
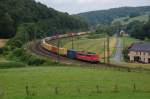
column 79, row 6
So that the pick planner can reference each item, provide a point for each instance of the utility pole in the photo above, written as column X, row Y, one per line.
column 58, row 45
column 104, row 52
column 108, row 50
column 72, row 42
column 124, row 43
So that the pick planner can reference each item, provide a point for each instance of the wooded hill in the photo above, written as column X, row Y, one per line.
column 107, row 16
column 16, row 13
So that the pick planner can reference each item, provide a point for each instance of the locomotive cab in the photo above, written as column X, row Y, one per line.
column 88, row 56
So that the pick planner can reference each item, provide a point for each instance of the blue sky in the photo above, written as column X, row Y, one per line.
column 78, row 6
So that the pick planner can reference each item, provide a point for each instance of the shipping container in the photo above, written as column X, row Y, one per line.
column 63, row 36
column 71, row 54
column 47, row 46
column 60, row 51
column 71, row 34
column 54, row 49
column 63, row 51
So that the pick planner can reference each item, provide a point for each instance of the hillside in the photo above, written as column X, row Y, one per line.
column 14, row 13
column 127, row 20
column 107, row 16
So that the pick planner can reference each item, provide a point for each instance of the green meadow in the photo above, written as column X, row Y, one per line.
column 73, row 83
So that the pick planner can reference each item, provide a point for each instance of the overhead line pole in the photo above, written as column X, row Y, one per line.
column 58, row 45
column 108, row 51
column 104, row 52
column 72, row 42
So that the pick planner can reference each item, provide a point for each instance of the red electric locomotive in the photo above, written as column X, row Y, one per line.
column 87, row 56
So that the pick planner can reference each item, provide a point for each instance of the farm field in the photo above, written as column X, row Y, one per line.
column 127, row 41
column 93, row 45
column 73, row 83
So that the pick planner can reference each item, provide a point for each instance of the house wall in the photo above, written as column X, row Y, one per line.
column 144, row 56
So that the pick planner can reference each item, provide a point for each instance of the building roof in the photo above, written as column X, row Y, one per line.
column 143, row 47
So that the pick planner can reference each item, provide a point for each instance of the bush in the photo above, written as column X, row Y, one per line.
column 125, row 54
column 35, row 61
column 18, row 52
column 6, row 65
column 96, row 36
column 1, row 50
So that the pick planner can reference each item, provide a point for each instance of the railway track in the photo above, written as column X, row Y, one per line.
column 36, row 48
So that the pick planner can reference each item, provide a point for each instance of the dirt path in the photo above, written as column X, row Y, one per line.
column 118, row 53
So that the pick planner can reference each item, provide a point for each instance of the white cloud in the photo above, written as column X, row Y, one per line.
column 77, row 6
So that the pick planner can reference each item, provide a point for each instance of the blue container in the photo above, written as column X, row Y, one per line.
column 71, row 53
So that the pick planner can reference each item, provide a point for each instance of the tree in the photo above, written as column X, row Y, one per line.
column 14, row 13
column 7, row 28
column 139, row 30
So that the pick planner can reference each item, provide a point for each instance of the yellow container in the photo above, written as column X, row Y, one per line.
column 62, row 51
column 47, row 46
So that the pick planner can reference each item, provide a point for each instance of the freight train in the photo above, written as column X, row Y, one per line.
column 70, row 53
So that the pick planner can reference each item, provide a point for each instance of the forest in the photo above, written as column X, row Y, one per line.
column 36, row 16
column 22, row 21
column 102, row 21
column 107, row 16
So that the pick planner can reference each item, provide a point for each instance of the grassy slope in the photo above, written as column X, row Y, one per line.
column 143, row 18
column 127, row 41
column 43, row 80
column 93, row 45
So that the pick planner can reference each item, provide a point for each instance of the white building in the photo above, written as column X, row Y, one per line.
column 140, row 52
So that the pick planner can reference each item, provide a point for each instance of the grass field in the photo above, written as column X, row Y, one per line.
column 2, row 59
column 127, row 41
column 73, row 83
column 136, row 65
column 93, row 45
column 3, row 42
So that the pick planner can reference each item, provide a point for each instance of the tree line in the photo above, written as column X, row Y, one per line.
column 139, row 30
column 107, row 16
column 14, row 13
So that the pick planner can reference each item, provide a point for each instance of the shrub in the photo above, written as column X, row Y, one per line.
column 35, row 61
column 6, row 65
column 125, row 54
column 18, row 52
column 96, row 36
column 1, row 50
